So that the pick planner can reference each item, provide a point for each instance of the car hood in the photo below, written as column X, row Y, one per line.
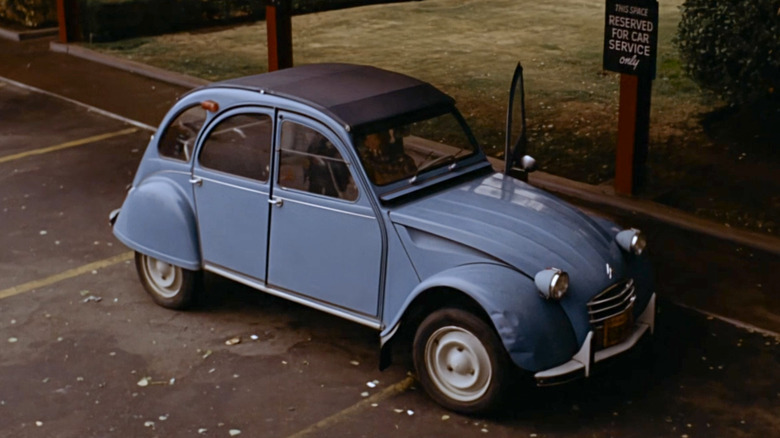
column 516, row 224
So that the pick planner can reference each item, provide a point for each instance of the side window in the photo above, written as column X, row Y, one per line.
column 310, row 162
column 240, row 145
column 178, row 139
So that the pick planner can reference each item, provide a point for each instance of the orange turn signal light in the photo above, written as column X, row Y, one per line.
column 210, row 105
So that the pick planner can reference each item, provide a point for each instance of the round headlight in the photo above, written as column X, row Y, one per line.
column 632, row 241
column 559, row 285
column 638, row 243
column 552, row 283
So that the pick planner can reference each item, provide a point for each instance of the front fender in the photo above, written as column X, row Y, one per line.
column 157, row 219
column 536, row 332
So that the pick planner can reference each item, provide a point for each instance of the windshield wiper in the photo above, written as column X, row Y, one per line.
column 436, row 162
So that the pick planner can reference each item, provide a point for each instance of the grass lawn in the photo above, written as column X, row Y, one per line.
column 469, row 48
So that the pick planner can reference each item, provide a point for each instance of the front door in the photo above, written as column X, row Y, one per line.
column 325, row 239
column 231, row 186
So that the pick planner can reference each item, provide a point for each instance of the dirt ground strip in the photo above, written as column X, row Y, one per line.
column 92, row 356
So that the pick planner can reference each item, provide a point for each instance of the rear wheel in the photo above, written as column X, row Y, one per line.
column 460, row 361
column 169, row 285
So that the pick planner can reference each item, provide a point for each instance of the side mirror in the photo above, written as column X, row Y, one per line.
column 528, row 163
column 523, row 166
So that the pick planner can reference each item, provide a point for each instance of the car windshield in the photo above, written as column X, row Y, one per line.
column 406, row 151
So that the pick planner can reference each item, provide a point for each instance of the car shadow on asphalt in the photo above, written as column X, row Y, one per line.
column 692, row 372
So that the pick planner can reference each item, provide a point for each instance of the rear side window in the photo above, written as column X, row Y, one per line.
column 310, row 162
column 240, row 145
column 179, row 137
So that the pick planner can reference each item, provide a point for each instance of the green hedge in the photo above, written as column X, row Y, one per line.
column 108, row 20
column 30, row 13
column 732, row 47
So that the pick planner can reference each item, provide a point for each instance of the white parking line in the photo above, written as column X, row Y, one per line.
column 390, row 391
column 66, row 145
column 75, row 272
column 81, row 104
column 734, row 322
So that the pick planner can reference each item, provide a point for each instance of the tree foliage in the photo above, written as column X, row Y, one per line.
column 31, row 13
column 732, row 47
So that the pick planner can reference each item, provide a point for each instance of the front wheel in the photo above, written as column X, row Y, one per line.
column 460, row 361
column 169, row 285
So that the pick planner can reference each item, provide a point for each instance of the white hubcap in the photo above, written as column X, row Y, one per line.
column 458, row 363
column 162, row 273
column 164, row 277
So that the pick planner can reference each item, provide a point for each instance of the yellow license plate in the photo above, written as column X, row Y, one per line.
column 618, row 327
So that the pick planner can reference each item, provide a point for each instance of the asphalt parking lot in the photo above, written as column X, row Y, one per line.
column 84, row 352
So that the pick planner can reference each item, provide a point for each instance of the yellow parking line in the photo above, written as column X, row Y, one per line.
column 75, row 272
column 390, row 391
column 69, row 144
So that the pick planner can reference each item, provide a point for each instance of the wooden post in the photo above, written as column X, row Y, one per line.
column 62, row 21
column 633, row 133
column 642, row 133
column 624, row 157
column 279, row 25
column 68, row 21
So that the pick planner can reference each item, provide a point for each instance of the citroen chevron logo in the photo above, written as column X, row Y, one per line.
column 609, row 271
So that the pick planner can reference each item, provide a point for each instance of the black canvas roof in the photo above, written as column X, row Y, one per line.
column 354, row 94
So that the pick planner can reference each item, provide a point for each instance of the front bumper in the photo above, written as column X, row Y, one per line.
column 581, row 363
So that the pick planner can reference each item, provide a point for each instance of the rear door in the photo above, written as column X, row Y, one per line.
column 231, row 184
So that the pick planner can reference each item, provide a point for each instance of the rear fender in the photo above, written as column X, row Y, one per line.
column 158, row 219
column 536, row 332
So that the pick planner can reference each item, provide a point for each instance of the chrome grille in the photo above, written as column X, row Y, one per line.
column 615, row 300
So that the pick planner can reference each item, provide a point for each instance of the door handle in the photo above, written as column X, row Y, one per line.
column 196, row 181
column 276, row 201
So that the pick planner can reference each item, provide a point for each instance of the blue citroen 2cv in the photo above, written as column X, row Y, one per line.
column 362, row 193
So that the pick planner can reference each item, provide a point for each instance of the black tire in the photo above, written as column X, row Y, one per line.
column 170, row 286
column 461, row 362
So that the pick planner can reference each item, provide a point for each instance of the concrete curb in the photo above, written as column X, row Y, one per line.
column 596, row 196
column 131, row 66
column 23, row 35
